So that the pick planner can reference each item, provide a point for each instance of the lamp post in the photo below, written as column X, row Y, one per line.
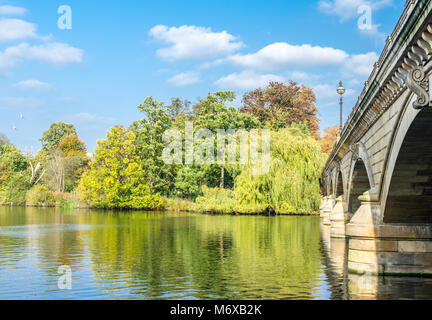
column 341, row 90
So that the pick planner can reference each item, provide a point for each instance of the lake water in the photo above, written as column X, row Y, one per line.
column 140, row 255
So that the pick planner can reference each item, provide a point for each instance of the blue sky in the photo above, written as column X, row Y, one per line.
column 119, row 52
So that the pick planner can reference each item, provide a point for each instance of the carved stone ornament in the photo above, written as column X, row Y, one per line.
column 419, row 84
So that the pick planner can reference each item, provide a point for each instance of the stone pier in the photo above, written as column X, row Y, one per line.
column 326, row 210
column 339, row 219
column 381, row 248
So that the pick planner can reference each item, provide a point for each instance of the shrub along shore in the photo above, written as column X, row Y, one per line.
column 128, row 169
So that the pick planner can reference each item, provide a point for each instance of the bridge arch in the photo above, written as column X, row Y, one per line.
column 328, row 185
column 360, row 177
column 407, row 184
column 338, row 186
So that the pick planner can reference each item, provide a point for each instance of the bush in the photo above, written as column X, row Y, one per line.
column 40, row 196
column 13, row 190
column 178, row 205
column 216, row 200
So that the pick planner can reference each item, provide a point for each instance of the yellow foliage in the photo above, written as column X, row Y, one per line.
column 116, row 177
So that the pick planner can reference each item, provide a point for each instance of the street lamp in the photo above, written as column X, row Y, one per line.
column 341, row 90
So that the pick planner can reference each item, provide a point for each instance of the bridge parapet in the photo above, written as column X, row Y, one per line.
column 405, row 50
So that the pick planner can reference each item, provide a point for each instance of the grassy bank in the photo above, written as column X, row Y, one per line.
column 221, row 203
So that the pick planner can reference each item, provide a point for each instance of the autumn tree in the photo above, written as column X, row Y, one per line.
column 73, row 152
column 65, row 164
column 52, row 137
column 279, row 105
column 71, row 145
column 329, row 139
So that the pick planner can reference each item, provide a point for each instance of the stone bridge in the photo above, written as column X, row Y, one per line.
column 377, row 182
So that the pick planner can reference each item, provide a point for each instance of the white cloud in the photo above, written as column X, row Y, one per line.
column 46, row 51
column 192, row 42
column 184, row 79
column 360, row 65
column 12, row 10
column 353, row 9
column 348, row 9
column 32, row 84
column 15, row 29
column 373, row 31
column 281, row 55
column 248, row 79
column 53, row 52
column 6, row 62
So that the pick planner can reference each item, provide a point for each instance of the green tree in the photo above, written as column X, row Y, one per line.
column 150, row 145
column 14, row 176
column 52, row 137
column 116, row 178
column 188, row 182
column 178, row 108
column 212, row 113
column 292, row 184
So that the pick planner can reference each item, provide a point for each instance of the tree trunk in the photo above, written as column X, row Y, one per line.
column 222, row 177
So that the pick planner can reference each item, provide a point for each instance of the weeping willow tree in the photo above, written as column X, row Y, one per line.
column 292, row 183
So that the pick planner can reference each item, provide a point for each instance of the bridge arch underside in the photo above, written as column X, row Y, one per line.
column 339, row 185
column 409, row 198
column 359, row 185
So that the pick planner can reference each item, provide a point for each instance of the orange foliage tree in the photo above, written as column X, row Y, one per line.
column 280, row 105
column 329, row 139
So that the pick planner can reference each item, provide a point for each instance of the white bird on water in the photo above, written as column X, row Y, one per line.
column 22, row 116
column 14, row 128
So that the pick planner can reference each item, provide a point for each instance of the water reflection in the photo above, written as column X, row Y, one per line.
column 158, row 255
column 348, row 286
column 166, row 256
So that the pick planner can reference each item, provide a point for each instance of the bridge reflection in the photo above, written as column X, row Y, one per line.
column 345, row 285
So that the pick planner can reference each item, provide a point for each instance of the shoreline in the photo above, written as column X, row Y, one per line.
column 207, row 212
